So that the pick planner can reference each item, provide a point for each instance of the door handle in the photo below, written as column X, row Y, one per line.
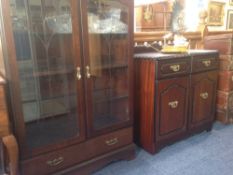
column 79, row 76
column 88, row 74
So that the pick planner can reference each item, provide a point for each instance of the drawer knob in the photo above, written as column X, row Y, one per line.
column 204, row 95
column 55, row 162
column 111, row 142
column 206, row 63
column 175, row 68
column 173, row 104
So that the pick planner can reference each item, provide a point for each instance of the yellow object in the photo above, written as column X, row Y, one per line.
column 174, row 49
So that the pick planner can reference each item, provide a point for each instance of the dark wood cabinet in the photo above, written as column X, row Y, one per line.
column 69, row 68
column 175, row 96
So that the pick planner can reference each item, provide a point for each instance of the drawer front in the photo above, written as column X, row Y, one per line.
column 225, row 116
column 226, row 62
column 225, row 81
column 204, row 64
column 224, row 100
column 173, row 68
column 223, row 45
column 61, row 159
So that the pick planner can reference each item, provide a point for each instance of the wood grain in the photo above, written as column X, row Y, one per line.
column 144, row 109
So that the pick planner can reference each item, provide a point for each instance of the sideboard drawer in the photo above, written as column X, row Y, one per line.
column 173, row 68
column 64, row 158
column 204, row 64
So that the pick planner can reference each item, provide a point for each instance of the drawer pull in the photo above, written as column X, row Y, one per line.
column 55, row 162
column 206, row 63
column 175, row 68
column 111, row 142
column 204, row 95
column 173, row 104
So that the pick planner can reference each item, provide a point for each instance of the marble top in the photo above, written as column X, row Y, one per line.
column 158, row 55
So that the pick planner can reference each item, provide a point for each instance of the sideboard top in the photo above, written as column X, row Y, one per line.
column 158, row 55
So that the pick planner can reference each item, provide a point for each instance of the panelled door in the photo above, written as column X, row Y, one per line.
column 46, row 79
column 107, row 63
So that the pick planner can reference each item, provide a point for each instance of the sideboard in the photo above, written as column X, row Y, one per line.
column 175, row 96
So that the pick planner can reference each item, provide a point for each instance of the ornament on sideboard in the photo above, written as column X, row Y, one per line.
column 178, row 16
column 202, row 26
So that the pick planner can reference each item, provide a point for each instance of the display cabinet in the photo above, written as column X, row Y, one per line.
column 69, row 67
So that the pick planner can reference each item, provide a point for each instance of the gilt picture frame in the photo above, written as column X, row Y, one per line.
column 231, row 2
column 216, row 13
column 229, row 20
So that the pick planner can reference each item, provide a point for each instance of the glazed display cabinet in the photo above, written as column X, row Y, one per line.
column 69, row 68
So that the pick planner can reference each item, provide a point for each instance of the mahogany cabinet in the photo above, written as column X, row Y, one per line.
column 69, row 68
column 175, row 96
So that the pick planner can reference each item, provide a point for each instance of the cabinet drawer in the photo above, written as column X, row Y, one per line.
column 225, row 81
column 173, row 68
column 61, row 159
column 203, row 64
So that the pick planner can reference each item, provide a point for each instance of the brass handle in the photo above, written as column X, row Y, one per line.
column 175, row 68
column 111, row 141
column 206, row 63
column 88, row 74
column 55, row 162
column 173, row 104
column 79, row 76
column 204, row 95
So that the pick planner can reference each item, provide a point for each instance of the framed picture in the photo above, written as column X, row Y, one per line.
column 231, row 2
column 216, row 13
column 230, row 19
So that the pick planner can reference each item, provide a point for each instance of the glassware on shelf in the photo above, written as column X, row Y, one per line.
column 59, row 23
column 111, row 23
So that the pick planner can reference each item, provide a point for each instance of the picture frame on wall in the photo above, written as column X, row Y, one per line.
column 216, row 13
column 231, row 2
column 229, row 20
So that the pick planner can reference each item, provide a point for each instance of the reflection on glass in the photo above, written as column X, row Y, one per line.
column 43, row 40
column 108, row 43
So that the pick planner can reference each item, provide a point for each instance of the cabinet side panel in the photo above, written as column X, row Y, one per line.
column 144, row 109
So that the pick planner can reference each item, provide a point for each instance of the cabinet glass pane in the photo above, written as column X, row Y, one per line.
column 108, row 54
column 43, row 40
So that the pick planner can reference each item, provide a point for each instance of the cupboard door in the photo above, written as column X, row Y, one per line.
column 203, row 95
column 46, row 41
column 171, row 107
column 108, row 57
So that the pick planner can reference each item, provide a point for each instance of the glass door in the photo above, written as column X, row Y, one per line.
column 49, row 70
column 107, row 67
